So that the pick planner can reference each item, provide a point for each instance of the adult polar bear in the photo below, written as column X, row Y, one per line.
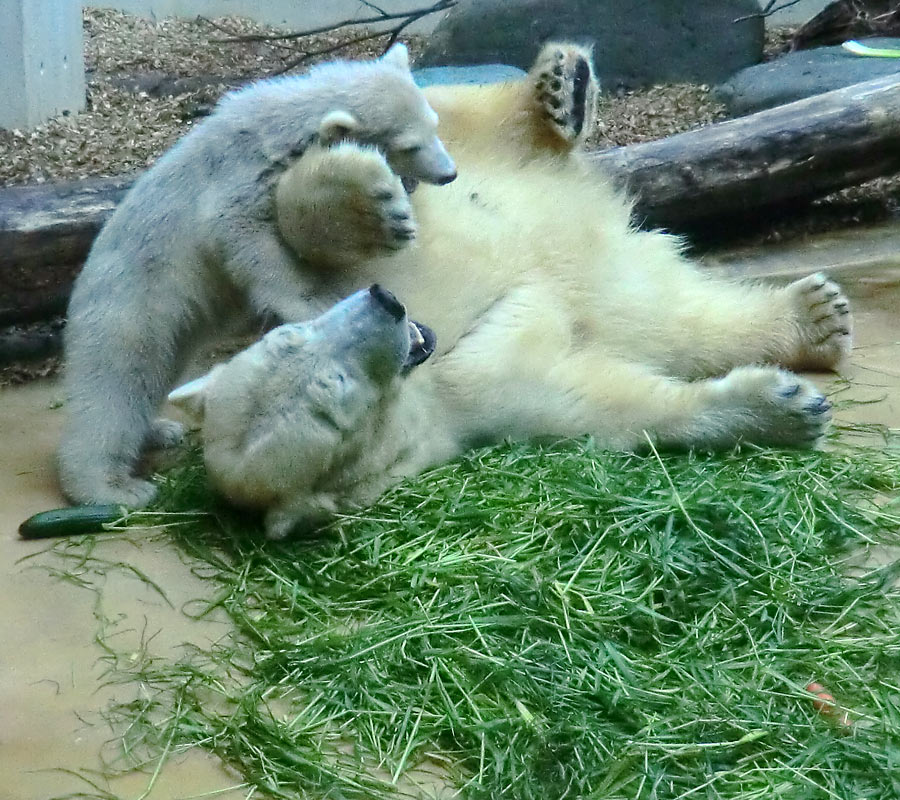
column 196, row 239
column 553, row 314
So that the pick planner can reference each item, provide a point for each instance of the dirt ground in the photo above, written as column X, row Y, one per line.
column 52, row 683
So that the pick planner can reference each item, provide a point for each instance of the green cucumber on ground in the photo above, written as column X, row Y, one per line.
column 70, row 521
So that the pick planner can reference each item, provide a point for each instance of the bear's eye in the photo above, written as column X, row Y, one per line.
column 409, row 150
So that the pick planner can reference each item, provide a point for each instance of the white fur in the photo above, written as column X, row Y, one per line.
column 554, row 316
column 195, row 240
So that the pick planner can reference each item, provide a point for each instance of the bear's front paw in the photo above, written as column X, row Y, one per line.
column 770, row 406
column 391, row 216
column 566, row 89
column 164, row 433
column 380, row 215
column 822, row 315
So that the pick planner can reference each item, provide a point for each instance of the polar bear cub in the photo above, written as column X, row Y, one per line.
column 322, row 417
column 554, row 316
column 195, row 239
column 311, row 415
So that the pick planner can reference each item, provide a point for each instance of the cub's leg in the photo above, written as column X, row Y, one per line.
column 707, row 326
column 339, row 205
column 112, row 396
column 516, row 375
column 619, row 402
column 564, row 93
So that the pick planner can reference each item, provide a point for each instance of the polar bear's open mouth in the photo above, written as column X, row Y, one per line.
column 409, row 184
column 422, row 341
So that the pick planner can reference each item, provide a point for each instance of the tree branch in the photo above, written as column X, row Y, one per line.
column 408, row 16
column 772, row 7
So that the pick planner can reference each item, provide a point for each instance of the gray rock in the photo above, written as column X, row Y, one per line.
column 635, row 43
column 480, row 74
column 794, row 76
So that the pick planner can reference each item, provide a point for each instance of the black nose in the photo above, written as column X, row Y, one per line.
column 446, row 179
column 390, row 303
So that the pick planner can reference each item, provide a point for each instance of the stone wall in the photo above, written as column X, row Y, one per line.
column 41, row 61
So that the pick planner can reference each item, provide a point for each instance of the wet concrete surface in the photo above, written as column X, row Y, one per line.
column 51, row 675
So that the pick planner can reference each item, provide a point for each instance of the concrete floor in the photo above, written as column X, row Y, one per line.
column 50, row 679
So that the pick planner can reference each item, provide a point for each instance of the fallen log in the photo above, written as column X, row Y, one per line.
column 55, row 222
column 45, row 234
column 791, row 153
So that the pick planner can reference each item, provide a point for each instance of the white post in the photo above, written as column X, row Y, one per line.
column 41, row 61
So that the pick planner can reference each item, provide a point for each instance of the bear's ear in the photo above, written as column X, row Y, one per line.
column 397, row 56
column 191, row 397
column 335, row 126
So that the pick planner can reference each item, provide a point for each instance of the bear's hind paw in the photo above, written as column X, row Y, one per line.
column 822, row 314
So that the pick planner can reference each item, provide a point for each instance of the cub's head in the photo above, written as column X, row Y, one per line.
column 295, row 422
column 386, row 109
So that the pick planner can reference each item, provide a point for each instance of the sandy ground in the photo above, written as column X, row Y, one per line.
column 51, row 679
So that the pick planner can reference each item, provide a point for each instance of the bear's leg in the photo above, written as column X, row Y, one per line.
column 343, row 204
column 268, row 273
column 564, row 91
column 113, row 392
column 709, row 326
column 623, row 403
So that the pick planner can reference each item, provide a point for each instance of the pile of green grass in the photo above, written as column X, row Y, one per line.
column 552, row 622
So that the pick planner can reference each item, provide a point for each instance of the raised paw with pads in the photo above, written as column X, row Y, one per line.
column 825, row 325
column 566, row 89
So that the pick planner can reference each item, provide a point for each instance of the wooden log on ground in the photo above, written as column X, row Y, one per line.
column 789, row 153
column 55, row 222
column 45, row 234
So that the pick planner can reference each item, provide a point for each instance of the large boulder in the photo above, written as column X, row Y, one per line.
column 635, row 44
column 804, row 73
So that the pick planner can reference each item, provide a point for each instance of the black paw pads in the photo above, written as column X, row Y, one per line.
column 579, row 94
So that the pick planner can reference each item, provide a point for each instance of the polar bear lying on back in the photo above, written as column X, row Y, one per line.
column 554, row 317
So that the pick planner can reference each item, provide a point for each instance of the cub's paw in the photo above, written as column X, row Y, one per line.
column 164, row 433
column 770, row 406
column 125, row 490
column 380, row 213
column 390, row 215
column 566, row 89
column 343, row 203
column 279, row 524
column 823, row 318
